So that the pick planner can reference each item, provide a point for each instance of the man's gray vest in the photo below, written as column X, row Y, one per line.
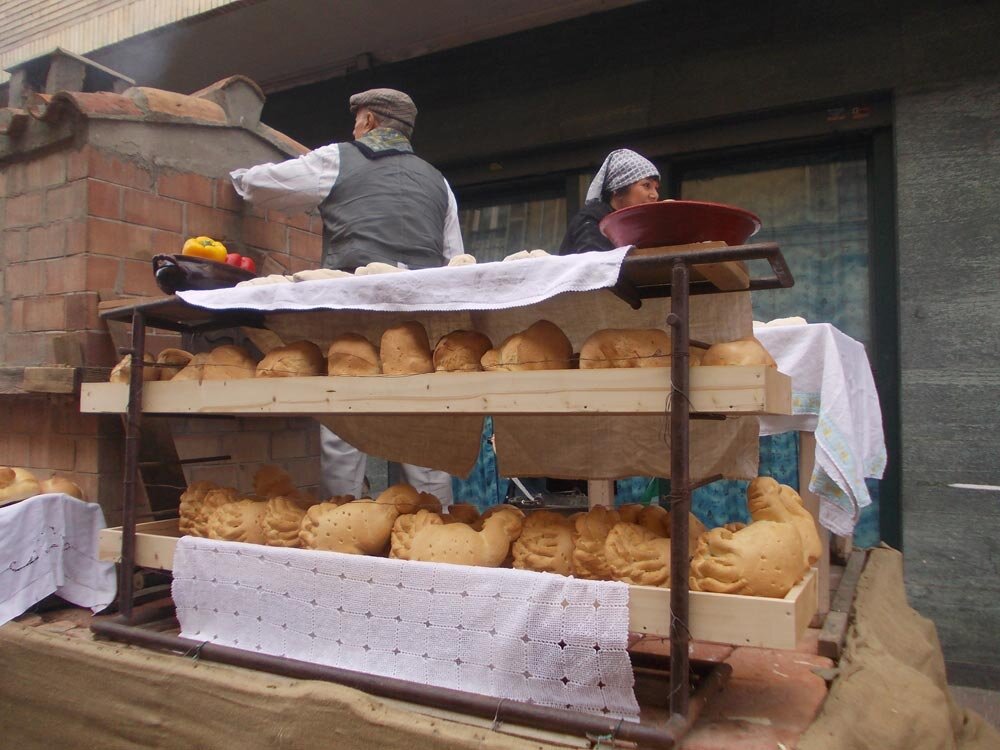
column 387, row 206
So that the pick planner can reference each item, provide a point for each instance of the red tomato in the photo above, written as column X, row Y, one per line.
column 247, row 264
column 234, row 259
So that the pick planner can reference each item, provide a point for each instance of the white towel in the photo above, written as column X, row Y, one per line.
column 515, row 634
column 48, row 545
column 833, row 395
column 483, row 286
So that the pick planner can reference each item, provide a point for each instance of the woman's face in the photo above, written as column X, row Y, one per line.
column 643, row 191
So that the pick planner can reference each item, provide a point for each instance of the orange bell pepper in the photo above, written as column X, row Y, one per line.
column 205, row 247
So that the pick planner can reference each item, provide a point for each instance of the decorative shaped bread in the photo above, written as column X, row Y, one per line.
column 461, row 351
column 405, row 350
column 271, row 278
column 271, row 481
column 463, row 260
column 193, row 370
column 459, row 544
column 769, row 501
column 375, row 268
column 171, row 361
column 17, row 484
column 320, row 274
column 592, row 529
column 298, row 359
column 630, row 512
column 695, row 529
column 190, row 503
column 638, row 555
column 542, row 346
column 198, row 509
column 57, row 483
column 359, row 528
column 748, row 351
column 238, row 521
column 405, row 527
column 281, row 521
column 352, row 354
column 546, row 544
column 763, row 559
column 122, row 372
column 406, row 499
column 462, row 513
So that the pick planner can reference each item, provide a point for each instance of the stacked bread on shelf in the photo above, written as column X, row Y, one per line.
column 630, row 543
column 19, row 484
column 405, row 349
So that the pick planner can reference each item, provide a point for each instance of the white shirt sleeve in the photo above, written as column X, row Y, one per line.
column 294, row 185
column 453, row 244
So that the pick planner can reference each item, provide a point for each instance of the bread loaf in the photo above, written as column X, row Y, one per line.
column 17, row 484
column 122, row 372
column 200, row 510
column 462, row 513
column 190, row 504
column 281, row 521
column 271, row 480
column 459, row 544
column 239, row 521
column 352, row 354
column 57, row 483
column 359, row 528
column 763, row 559
column 463, row 260
column 298, row 359
column 542, row 346
column 193, row 370
column 637, row 555
column 376, row 268
column 461, row 351
column 319, row 274
column 545, row 544
column 748, row 351
column 405, row 527
column 406, row 499
column 769, row 501
column 615, row 347
column 405, row 350
column 272, row 278
column 171, row 361
column 229, row 362
column 592, row 529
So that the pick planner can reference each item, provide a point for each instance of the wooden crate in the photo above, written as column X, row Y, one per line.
column 728, row 390
column 720, row 618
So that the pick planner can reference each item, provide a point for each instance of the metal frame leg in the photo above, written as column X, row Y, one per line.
column 133, row 431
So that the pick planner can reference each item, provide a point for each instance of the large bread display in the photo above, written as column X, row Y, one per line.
column 405, row 527
column 769, row 501
column 637, row 555
column 546, row 544
column 592, row 529
column 238, row 521
column 298, row 359
column 281, row 521
column 459, row 544
column 541, row 346
column 762, row 559
column 461, row 351
column 226, row 362
column 352, row 354
column 359, row 528
column 405, row 350
column 748, row 351
column 17, row 484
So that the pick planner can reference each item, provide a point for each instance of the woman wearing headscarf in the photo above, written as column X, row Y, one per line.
column 624, row 179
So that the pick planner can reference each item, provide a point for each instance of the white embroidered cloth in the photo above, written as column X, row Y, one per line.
column 48, row 545
column 514, row 634
column 483, row 286
column 834, row 396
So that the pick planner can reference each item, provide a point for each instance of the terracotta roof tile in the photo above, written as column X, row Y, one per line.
column 157, row 104
column 99, row 104
column 208, row 91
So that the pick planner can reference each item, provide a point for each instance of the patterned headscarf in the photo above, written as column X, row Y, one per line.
column 394, row 108
column 621, row 168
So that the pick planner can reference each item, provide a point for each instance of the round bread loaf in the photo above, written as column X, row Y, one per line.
column 405, row 350
column 406, row 499
column 298, row 359
column 194, row 369
column 359, row 528
column 172, row 361
column 352, row 354
column 17, row 484
column 229, row 362
column 542, row 346
column 122, row 373
column 57, row 483
column 461, row 351
column 748, row 351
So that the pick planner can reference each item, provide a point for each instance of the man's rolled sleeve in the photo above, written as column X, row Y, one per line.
column 294, row 185
column 453, row 244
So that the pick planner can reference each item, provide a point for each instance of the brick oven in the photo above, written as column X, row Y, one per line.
column 93, row 183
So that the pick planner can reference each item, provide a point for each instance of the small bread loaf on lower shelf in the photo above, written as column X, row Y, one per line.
column 171, row 361
column 352, row 354
column 405, row 350
column 405, row 527
column 461, row 351
column 541, row 346
column 617, row 347
column 638, row 555
column 196, row 510
column 239, row 521
column 545, row 544
column 463, row 260
column 406, row 499
column 769, row 501
column 281, row 521
column 459, row 544
column 762, row 559
column 226, row 362
column 57, row 483
column 299, row 359
column 17, row 484
column 748, row 351
column 592, row 529
column 122, row 372
column 359, row 528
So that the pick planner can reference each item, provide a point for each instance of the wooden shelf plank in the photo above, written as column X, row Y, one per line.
column 723, row 390
column 720, row 618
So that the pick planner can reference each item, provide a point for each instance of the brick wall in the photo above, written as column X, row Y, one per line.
column 81, row 226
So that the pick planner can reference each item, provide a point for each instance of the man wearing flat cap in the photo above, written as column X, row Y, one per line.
column 379, row 202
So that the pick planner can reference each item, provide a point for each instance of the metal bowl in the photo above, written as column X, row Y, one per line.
column 180, row 273
column 679, row 223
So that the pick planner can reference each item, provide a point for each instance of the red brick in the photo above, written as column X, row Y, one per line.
column 271, row 262
column 47, row 242
column 53, row 452
column 185, row 186
column 305, row 245
column 78, row 163
column 81, row 311
column 45, row 314
column 316, row 224
column 247, row 446
column 299, row 264
column 167, row 242
column 266, row 234
column 48, row 170
column 25, row 279
column 102, row 273
column 127, row 173
column 299, row 220
column 3, row 183
column 212, row 222
column 16, row 322
column 290, row 444
column 66, row 275
column 25, row 210
column 76, row 236
column 152, row 211
column 68, row 201
column 104, row 199
column 27, row 349
column 13, row 245
column 17, row 451
column 116, row 238
column 226, row 196
column 138, row 279
column 98, row 351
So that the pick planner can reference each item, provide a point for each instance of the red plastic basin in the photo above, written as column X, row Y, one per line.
column 679, row 223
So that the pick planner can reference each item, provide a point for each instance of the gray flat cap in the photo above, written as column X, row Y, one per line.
column 394, row 107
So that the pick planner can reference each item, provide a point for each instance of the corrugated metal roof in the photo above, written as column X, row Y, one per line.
column 29, row 28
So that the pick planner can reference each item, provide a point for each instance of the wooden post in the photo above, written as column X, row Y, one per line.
column 601, row 492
